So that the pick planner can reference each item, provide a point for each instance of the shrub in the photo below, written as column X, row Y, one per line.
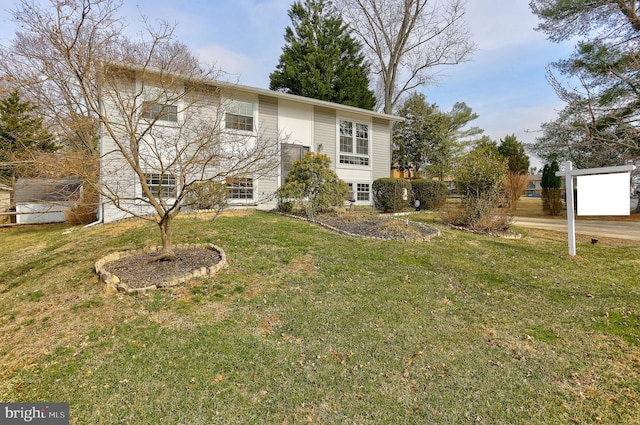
column 206, row 195
column 391, row 194
column 515, row 185
column 551, row 184
column 432, row 194
column 311, row 186
column 84, row 211
column 479, row 176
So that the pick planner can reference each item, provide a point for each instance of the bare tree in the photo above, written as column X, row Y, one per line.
column 54, row 52
column 165, row 132
column 156, row 109
column 406, row 40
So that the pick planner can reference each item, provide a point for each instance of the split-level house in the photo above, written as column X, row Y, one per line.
column 357, row 141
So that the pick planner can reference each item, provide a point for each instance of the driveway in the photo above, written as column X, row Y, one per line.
column 610, row 229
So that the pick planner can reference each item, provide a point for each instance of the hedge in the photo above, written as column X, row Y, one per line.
column 391, row 194
column 432, row 194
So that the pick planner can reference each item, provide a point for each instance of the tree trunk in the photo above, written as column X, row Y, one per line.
column 167, row 253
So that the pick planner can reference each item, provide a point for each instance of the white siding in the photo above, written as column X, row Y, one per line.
column 324, row 133
column 381, row 149
column 266, row 186
column 295, row 122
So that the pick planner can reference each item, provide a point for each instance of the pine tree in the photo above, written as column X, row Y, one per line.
column 20, row 132
column 517, row 160
column 320, row 58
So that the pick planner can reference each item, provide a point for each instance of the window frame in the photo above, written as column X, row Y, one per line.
column 353, row 148
column 165, row 187
column 357, row 193
column 157, row 112
column 236, row 118
column 234, row 185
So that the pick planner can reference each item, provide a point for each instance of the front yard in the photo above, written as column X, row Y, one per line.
column 307, row 325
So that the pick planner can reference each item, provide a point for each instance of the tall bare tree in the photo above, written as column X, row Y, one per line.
column 151, row 102
column 406, row 41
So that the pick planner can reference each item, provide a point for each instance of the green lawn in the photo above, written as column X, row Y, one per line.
column 308, row 326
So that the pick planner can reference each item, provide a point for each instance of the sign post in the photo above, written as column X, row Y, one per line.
column 569, row 173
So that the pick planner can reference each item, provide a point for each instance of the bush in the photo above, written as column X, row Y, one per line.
column 479, row 176
column 551, row 184
column 432, row 194
column 206, row 195
column 391, row 194
column 83, row 212
column 553, row 201
column 515, row 185
column 311, row 186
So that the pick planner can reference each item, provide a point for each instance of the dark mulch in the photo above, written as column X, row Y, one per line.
column 139, row 271
column 378, row 226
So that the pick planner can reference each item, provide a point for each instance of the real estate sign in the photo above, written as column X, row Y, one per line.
column 596, row 194
column 604, row 194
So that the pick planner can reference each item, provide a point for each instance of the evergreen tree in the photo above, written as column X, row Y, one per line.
column 430, row 139
column 599, row 125
column 320, row 58
column 21, row 132
column 513, row 151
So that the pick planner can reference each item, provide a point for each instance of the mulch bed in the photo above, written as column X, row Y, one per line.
column 138, row 271
column 378, row 226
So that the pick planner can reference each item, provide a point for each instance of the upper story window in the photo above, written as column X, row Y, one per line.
column 163, row 186
column 159, row 112
column 354, row 143
column 239, row 115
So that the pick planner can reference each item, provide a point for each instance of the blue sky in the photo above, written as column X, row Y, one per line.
column 504, row 82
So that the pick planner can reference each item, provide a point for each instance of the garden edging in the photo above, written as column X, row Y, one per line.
column 113, row 284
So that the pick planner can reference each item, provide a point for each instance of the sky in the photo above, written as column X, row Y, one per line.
column 503, row 82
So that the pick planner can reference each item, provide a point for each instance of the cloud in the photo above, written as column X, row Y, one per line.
column 230, row 62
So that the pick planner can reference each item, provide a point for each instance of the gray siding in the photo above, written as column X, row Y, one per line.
column 324, row 132
column 381, row 149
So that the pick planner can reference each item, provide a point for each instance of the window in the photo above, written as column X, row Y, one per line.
column 354, row 143
column 240, row 188
column 162, row 185
column 361, row 193
column 239, row 115
column 160, row 112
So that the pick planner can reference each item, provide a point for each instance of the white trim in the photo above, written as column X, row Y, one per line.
column 355, row 122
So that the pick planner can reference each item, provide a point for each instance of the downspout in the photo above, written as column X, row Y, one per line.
column 99, row 215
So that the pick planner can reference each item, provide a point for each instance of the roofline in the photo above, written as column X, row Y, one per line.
column 265, row 92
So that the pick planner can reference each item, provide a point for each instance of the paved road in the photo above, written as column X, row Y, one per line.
column 611, row 229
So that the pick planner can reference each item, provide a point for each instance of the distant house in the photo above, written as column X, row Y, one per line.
column 45, row 200
column 357, row 141
column 534, row 189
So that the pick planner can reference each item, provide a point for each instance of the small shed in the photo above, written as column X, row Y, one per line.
column 45, row 200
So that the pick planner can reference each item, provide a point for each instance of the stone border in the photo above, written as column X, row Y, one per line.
column 112, row 283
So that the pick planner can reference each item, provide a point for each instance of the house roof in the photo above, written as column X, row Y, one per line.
column 46, row 190
column 265, row 92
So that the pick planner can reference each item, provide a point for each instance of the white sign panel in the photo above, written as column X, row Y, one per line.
column 604, row 194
